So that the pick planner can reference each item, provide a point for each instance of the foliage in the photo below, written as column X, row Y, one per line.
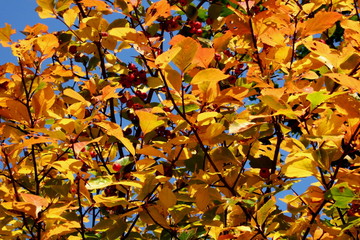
column 222, row 106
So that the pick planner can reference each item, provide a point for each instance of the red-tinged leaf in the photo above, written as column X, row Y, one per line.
column 5, row 34
column 27, row 208
column 156, row 10
column 240, row 125
column 318, row 24
column 115, row 130
column 203, row 57
column 36, row 30
column 37, row 201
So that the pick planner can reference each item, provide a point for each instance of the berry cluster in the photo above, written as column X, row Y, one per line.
column 130, row 103
column 134, row 77
column 170, row 24
column 195, row 27
column 163, row 132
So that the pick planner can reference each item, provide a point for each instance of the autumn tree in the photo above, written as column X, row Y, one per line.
column 181, row 119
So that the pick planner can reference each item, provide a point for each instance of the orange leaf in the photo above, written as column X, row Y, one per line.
column 318, row 24
column 345, row 80
column 158, row 9
column 47, row 45
column 148, row 121
column 5, row 34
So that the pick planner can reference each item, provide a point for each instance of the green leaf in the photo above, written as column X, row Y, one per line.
column 99, row 182
column 342, row 195
column 125, row 161
column 187, row 235
column 265, row 211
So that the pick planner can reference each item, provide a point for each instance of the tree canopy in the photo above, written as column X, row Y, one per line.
column 181, row 119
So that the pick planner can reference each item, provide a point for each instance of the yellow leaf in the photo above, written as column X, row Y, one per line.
column 45, row 8
column 75, row 95
column 77, row 110
column 299, row 165
column 206, row 117
column 127, row 34
column 202, row 198
column 115, row 130
column 214, row 130
column 167, row 197
column 70, row 16
column 109, row 201
column 158, row 9
column 272, row 102
column 148, row 121
column 61, row 229
column 135, row 184
column 151, row 151
column 144, row 164
column 163, row 60
column 210, row 74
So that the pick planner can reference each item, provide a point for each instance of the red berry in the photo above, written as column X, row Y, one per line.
column 217, row 57
column 183, row 2
column 137, row 106
column 199, row 31
column 209, row 21
column 92, row 154
column 116, row 167
column 132, row 67
column 123, row 99
column 232, row 79
column 104, row 34
column 73, row 49
column 227, row 53
column 129, row 103
column 192, row 30
column 264, row 172
column 197, row 24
